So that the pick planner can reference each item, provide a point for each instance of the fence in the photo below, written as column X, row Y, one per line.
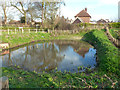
column 21, row 30
column 76, row 30
column 82, row 28
column 63, row 31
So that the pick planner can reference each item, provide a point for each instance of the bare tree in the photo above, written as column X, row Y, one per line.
column 4, row 7
column 5, row 16
column 6, row 11
column 47, row 11
column 22, row 7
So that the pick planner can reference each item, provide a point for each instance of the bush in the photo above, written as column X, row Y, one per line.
column 115, row 25
column 114, row 33
column 62, row 24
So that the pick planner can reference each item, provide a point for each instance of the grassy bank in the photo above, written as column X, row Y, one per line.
column 26, row 37
column 107, row 53
column 21, row 38
column 115, row 33
column 106, row 75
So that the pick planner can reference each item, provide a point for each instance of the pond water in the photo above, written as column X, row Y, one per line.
column 48, row 56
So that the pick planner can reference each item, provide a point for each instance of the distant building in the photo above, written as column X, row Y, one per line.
column 93, row 22
column 103, row 21
column 68, row 21
column 82, row 16
column 14, row 22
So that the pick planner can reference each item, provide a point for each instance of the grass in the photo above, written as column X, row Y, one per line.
column 13, row 28
column 26, row 37
column 114, row 33
column 107, row 53
column 24, row 79
column 106, row 74
column 21, row 38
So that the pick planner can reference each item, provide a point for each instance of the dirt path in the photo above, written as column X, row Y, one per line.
column 112, row 39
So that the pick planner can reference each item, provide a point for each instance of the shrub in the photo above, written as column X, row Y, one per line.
column 115, row 25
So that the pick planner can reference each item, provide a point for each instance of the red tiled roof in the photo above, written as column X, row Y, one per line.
column 83, row 13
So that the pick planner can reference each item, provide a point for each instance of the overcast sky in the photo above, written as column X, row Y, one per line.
column 105, row 9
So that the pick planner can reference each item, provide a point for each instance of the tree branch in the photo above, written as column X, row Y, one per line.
column 22, row 6
column 17, row 8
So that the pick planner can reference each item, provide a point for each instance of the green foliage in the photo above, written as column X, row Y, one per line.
column 80, row 24
column 22, row 19
column 13, row 28
column 22, row 38
column 115, row 25
column 19, row 78
column 26, row 37
column 105, row 76
column 86, row 24
column 114, row 33
column 107, row 53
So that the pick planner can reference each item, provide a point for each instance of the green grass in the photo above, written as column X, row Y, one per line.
column 24, row 79
column 26, row 37
column 22, row 38
column 107, row 53
column 13, row 28
column 106, row 74
column 114, row 33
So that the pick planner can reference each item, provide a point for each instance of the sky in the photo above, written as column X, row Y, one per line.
column 98, row 9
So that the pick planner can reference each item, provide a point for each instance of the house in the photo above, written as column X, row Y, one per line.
column 82, row 16
column 93, row 22
column 103, row 21
column 14, row 22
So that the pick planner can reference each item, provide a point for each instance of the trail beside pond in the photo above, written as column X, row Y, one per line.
column 115, row 41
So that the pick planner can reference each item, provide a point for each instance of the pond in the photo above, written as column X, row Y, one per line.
column 63, row 55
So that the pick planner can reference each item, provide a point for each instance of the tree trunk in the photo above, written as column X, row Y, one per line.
column 25, row 18
column 42, row 12
column 5, row 21
column 5, row 16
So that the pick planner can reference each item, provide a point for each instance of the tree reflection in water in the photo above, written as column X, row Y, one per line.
column 48, row 56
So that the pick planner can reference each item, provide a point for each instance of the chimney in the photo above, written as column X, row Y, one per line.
column 86, row 9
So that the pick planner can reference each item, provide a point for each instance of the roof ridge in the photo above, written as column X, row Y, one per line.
column 82, row 13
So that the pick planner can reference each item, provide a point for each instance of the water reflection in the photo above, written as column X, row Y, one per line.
column 65, row 55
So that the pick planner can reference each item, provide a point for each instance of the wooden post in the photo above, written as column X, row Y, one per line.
column 22, row 30
column 15, row 30
column 8, row 30
column 29, row 30
column 36, row 31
